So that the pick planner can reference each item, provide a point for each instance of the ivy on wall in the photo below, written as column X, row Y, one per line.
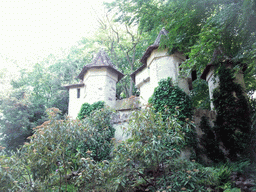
column 166, row 95
column 171, row 101
column 209, row 142
column 87, row 109
column 233, row 121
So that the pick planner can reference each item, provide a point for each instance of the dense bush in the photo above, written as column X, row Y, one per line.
column 233, row 121
column 55, row 152
column 145, row 162
column 102, row 132
column 87, row 109
column 52, row 161
column 170, row 100
column 166, row 95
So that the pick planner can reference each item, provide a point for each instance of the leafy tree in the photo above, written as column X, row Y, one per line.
column 56, row 154
column 125, row 45
column 205, row 31
column 15, row 121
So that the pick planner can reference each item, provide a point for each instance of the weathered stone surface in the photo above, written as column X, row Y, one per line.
column 127, row 104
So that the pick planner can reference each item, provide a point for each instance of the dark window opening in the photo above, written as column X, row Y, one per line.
column 78, row 93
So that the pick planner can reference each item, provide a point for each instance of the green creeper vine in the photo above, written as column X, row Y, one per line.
column 87, row 109
column 233, row 121
column 166, row 95
column 171, row 101
column 208, row 141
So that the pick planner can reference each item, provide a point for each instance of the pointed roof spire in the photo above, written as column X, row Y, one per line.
column 148, row 52
column 154, row 46
column 100, row 60
column 158, row 39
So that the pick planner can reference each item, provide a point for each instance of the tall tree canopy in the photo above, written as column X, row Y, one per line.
column 206, row 31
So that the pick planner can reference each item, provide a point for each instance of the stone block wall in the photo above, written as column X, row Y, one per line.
column 124, row 109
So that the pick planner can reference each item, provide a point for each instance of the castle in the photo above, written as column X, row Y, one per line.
column 98, row 81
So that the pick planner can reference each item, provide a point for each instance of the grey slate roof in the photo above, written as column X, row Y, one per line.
column 148, row 52
column 100, row 60
column 154, row 46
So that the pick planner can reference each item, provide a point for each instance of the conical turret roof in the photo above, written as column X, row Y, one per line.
column 154, row 46
column 148, row 52
column 100, row 60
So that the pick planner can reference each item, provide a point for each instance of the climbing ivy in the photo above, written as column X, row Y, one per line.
column 166, row 95
column 233, row 121
column 87, row 109
column 171, row 101
column 209, row 143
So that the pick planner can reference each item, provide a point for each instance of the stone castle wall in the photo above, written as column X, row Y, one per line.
column 126, row 107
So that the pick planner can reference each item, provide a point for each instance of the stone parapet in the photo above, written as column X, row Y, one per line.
column 127, row 104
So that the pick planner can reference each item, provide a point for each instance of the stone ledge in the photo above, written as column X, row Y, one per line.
column 131, row 103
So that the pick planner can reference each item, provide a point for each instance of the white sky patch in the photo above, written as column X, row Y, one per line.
column 31, row 30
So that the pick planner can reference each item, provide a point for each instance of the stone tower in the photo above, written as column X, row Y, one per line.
column 97, row 83
column 158, row 64
column 213, row 80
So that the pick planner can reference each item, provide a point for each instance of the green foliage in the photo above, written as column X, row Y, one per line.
column 87, row 109
column 209, row 142
column 223, row 175
column 16, row 124
column 253, row 129
column 233, row 122
column 200, row 94
column 103, row 132
column 53, row 160
column 54, row 153
column 170, row 100
column 144, row 162
column 205, row 31
column 166, row 95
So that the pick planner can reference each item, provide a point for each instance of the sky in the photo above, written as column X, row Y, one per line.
column 31, row 30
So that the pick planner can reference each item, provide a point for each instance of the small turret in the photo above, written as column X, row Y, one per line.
column 158, row 64
column 99, row 80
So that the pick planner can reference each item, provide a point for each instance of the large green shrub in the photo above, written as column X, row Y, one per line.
column 170, row 100
column 145, row 163
column 52, row 160
column 87, row 109
column 233, row 121
column 54, row 152
column 166, row 95
column 102, row 131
